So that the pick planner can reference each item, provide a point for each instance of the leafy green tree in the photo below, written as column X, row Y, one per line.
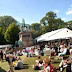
column 35, row 33
column 58, row 23
column 35, row 29
column 43, row 21
column 11, row 34
column 6, row 20
column 50, row 15
column 50, row 18
column 69, row 24
column 2, row 40
column 48, row 21
column 35, row 26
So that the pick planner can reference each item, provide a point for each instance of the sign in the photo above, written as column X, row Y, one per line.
column 25, row 35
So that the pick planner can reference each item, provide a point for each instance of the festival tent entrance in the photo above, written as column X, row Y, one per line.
column 57, row 34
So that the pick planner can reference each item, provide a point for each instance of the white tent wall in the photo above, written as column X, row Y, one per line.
column 46, row 35
column 57, row 34
column 63, row 34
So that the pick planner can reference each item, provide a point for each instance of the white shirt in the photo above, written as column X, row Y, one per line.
column 65, row 50
column 48, row 68
column 46, row 46
column 36, row 52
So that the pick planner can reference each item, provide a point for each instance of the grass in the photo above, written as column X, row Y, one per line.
column 28, row 63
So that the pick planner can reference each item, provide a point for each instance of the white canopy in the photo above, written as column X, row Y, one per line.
column 57, row 34
column 43, row 37
column 4, row 46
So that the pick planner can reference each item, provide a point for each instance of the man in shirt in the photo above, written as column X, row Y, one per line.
column 10, row 59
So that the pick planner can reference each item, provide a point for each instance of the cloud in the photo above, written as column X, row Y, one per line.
column 71, row 6
column 69, row 12
column 64, row 19
column 56, row 11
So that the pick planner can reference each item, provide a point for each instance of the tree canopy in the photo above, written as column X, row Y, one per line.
column 11, row 34
column 2, row 40
column 6, row 20
column 35, row 26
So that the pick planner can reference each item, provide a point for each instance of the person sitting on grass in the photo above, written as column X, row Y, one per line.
column 19, row 65
column 38, row 64
column 47, row 65
column 64, row 51
column 62, row 65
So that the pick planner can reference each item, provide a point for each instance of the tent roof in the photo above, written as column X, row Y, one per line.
column 4, row 46
column 65, row 33
column 57, row 34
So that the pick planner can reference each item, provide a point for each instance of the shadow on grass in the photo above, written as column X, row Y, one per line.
column 2, row 70
column 56, row 62
column 26, row 66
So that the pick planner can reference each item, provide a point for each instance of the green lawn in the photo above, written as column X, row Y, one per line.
column 28, row 61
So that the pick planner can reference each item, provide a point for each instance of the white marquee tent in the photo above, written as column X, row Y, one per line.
column 4, row 46
column 57, row 34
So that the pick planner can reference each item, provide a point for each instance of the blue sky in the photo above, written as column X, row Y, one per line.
column 33, row 10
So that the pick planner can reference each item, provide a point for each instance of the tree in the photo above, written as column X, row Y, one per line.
column 43, row 21
column 11, row 34
column 58, row 23
column 2, row 40
column 35, row 29
column 6, row 20
column 48, row 21
column 35, row 26
column 50, row 15
column 69, row 24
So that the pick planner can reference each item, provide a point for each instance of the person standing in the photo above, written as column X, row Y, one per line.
column 56, row 49
column 41, row 49
column 10, row 57
column 1, row 55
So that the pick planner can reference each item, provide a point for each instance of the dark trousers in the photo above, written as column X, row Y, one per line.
column 68, row 68
column 60, row 68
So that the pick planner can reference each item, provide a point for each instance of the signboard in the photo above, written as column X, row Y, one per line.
column 25, row 35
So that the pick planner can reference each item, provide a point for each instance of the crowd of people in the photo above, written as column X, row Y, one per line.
column 62, row 51
column 58, row 49
column 13, row 60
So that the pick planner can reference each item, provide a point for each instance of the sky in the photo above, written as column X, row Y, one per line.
column 34, row 10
